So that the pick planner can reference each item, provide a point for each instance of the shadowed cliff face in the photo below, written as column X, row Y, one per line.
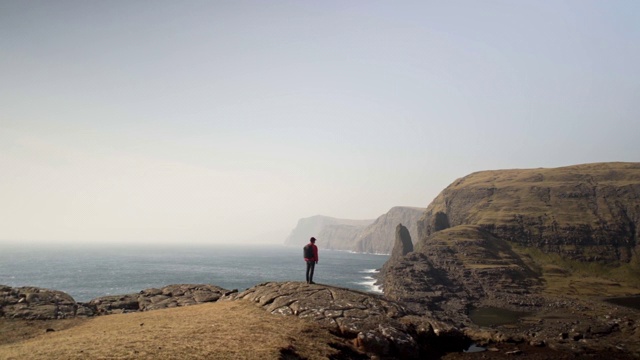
column 403, row 244
column 401, row 247
column 458, row 267
column 585, row 212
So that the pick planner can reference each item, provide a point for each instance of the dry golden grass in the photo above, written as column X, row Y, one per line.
column 223, row 330
column 527, row 192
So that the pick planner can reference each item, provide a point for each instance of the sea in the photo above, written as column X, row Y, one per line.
column 86, row 272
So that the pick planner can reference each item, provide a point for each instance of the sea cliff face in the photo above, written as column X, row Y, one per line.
column 378, row 238
column 550, row 243
column 331, row 233
column 366, row 236
column 524, row 240
column 587, row 212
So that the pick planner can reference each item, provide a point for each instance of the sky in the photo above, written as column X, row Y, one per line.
column 227, row 121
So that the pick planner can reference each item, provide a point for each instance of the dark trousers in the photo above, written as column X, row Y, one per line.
column 310, row 266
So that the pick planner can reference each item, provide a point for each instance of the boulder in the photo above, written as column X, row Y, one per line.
column 34, row 303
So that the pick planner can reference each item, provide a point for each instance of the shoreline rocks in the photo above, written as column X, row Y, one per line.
column 32, row 303
column 153, row 299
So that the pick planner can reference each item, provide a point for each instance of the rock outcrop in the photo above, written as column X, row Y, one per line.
column 402, row 246
column 34, row 303
column 372, row 323
column 42, row 304
column 378, row 237
column 154, row 299
column 331, row 233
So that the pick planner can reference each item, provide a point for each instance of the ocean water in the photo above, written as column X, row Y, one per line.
column 86, row 272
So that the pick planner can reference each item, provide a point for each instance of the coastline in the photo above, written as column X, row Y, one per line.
column 87, row 272
column 377, row 328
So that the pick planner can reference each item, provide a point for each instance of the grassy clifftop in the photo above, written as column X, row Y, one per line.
column 587, row 212
column 580, row 194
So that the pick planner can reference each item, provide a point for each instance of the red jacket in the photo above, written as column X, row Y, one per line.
column 315, row 253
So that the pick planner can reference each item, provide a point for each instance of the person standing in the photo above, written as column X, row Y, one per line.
column 311, row 258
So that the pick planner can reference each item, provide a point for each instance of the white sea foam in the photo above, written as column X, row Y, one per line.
column 360, row 252
column 370, row 271
column 370, row 285
column 369, row 281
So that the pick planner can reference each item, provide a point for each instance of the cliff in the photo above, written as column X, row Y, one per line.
column 378, row 237
column 520, row 239
column 338, row 236
column 331, row 233
column 587, row 212
column 366, row 236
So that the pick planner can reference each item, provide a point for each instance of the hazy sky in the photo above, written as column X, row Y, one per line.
column 227, row 121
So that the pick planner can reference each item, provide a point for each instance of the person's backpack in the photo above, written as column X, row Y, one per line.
column 308, row 251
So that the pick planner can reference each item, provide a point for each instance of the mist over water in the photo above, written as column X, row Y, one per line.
column 86, row 272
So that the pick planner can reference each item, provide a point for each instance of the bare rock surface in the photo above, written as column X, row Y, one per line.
column 34, row 303
column 374, row 324
column 154, row 299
